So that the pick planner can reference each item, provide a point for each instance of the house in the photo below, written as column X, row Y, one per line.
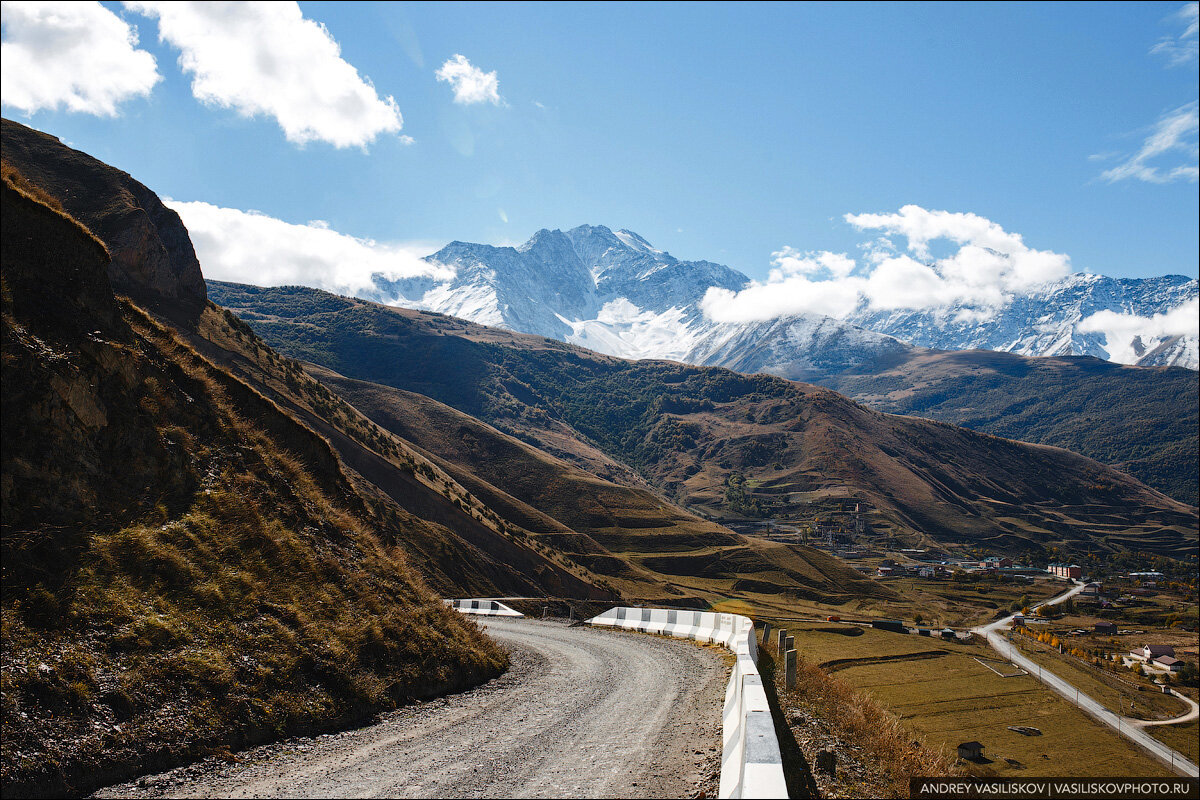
column 1065, row 570
column 971, row 751
column 948, row 634
column 1171, row 663
column 1151, row 652
column 1092, row 590
column 893, row 625
column 996, row 562
column 886, row 572
column 1018, row 620
column 1109, row 628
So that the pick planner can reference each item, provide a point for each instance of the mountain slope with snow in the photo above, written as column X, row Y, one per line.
column 614, row 292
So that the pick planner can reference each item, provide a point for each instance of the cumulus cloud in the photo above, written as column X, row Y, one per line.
column 1128, row 337
column 1176, row 134
column 1182, row 48
column 266, row 58
column 470, row 83
column 989, row 267
column 80, row 56
column 250, row 247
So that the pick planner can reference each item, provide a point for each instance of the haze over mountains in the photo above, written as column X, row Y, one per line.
column 613, row 292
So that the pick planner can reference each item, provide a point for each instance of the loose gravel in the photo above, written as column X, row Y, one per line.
column 582, row 712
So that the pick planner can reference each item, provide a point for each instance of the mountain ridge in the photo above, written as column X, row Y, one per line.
column 617, row 293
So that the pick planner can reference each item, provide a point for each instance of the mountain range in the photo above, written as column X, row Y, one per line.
column 613, row 292
column 230, row 512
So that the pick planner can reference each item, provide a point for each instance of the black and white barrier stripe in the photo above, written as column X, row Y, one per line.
column 487, row 608
column 751, row 765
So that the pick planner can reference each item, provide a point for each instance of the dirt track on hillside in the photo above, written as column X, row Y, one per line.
column 582, row 713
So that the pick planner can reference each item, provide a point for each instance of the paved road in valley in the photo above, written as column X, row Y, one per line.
column 583, row 712
column 1123, row 725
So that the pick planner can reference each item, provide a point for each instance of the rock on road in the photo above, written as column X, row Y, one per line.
column 583, row 712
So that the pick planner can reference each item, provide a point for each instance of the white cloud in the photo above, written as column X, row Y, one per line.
column 989, row 268
column 249, row 247
column 80, row 56
column 1182, row 49
column 1128, row 337
column 266, row 58
column 1175, row 134
column 470, row 83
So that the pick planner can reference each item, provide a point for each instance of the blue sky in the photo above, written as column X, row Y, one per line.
column 725, row 132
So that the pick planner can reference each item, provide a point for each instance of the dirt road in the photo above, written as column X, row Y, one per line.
column 583, row 712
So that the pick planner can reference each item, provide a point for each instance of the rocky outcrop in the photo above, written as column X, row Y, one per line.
column 152, row 258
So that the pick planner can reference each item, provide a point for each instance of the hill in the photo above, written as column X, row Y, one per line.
column 1144, row 421
column 185, row 567
column 711, row 437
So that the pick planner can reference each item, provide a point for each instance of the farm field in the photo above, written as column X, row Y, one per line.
column 945, row 696
column 1184, row 738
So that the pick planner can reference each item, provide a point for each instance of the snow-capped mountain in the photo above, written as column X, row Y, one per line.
column 1047, row 322
column 613, row 292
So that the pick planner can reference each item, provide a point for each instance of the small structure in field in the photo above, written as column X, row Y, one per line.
column 971, row 751
column 1109, row 628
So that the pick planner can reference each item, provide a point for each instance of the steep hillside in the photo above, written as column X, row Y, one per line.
column 1144, row 421
column 185, row 567
column 648, row 547
column 700, row 433
column 462, row 547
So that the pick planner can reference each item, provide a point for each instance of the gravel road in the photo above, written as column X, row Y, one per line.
column 583, row 712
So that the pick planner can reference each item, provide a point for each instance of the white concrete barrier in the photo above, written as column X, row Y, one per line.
column 487, row 608
column 751, row 764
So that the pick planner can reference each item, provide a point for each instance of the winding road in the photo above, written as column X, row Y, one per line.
column 582, row 712
column 1129, row 728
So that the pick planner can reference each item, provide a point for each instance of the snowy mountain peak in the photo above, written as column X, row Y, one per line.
column 616, row 293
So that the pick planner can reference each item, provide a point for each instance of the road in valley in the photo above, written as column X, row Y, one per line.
column 582, row 712
column 1128, row 728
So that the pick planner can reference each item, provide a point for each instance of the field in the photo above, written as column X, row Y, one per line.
column 1120, row 691
column 1183, row 738
column 962, row 602
column 945, row 696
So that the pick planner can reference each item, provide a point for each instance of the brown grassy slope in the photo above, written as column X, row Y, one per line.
column 462, row 547
column 174, row 578
column 1141, row 420
column 618, row 531
column 689, row 429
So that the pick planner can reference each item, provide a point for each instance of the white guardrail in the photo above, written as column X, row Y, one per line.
column 487, row 608
column 751, row 765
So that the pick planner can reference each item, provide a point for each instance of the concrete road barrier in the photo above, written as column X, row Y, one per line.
column 487, row 608
column 751, row 765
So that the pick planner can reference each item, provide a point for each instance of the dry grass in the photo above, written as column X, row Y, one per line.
column 247, row 602
column 885, row 751
column 1184, row 738
column 948, row 697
